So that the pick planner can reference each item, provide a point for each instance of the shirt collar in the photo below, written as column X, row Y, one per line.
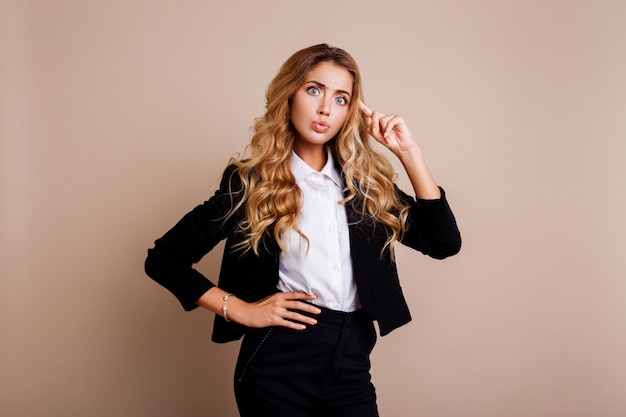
column 301, row 169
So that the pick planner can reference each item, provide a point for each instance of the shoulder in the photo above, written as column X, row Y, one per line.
column 232, row 177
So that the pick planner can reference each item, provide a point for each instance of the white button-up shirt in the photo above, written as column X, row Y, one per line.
column 321, row 266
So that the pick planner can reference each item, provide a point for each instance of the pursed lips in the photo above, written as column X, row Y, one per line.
column 320, row 126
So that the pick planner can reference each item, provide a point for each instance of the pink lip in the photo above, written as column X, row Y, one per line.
column 320, row 126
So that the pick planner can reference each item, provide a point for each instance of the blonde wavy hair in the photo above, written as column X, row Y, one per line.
column 269, row 192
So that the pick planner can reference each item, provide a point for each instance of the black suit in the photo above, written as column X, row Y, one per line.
column 431, row 229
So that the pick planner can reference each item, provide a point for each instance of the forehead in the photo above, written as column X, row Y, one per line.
column 332, row 76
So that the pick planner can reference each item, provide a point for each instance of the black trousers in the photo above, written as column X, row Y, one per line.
column 322, row 371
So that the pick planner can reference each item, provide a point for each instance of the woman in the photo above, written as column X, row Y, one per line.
column 310, row 219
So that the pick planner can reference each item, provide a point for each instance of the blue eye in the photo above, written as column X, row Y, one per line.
column 313, row 90
column 342, row 101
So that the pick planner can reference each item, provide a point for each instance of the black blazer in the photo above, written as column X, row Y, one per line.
column 432, row 230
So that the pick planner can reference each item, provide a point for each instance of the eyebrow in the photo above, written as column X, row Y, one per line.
column 322, row 85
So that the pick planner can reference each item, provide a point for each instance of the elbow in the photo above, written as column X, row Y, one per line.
column 150, row 265
column 147, row 265
column 456, row 248
column 448, row 247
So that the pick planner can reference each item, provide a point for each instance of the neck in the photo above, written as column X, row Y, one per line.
column 313, row 156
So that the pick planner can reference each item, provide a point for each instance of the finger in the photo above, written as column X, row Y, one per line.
column 384, row 122
column 393, row 123
column 374, row 126
column 292, row 320
column 300, row 306
column 366, row 110
column 298, row 301
column 388, row 123
column 298, row 295
column 294, row 316
column 291, row 325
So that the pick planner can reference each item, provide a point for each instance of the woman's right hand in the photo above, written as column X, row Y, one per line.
column 280, row 309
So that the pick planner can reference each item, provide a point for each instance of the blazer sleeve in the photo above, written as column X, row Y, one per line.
column 431, row 226
column 170, row 261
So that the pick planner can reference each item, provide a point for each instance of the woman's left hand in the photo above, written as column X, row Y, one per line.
column 389, row 129
column 392, row 131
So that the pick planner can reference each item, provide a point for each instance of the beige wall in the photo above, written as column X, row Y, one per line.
column 118, row 116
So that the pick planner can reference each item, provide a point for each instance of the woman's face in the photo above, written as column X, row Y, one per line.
column 319, row 108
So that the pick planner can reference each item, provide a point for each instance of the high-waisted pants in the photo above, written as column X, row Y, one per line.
column 322, row 371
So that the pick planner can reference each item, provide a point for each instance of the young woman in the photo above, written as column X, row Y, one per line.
column 310, row 220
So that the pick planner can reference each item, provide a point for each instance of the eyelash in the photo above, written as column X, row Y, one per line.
column 315, row 90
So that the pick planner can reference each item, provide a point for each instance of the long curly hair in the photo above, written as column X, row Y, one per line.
column 269, row 193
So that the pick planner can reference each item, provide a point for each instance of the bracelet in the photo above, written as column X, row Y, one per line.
column 224, row 308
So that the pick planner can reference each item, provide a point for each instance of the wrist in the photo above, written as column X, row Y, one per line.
column 237, row 310
column 410, row 156
column 225, row 306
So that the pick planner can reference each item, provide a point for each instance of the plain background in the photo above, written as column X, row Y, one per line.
column 117, row 117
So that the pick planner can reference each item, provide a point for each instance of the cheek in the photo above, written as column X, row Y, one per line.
column 298, row 109
column 339, row 123
column 342, row 116
column 294, row 113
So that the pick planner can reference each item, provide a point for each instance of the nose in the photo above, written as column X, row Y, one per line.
column 324, row 108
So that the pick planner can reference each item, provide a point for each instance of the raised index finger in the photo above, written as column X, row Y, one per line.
column 366, row 110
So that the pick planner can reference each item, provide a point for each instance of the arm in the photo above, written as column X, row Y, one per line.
column 431, row 226
column 170, row 263
column 392, row 131
column 275, row 310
